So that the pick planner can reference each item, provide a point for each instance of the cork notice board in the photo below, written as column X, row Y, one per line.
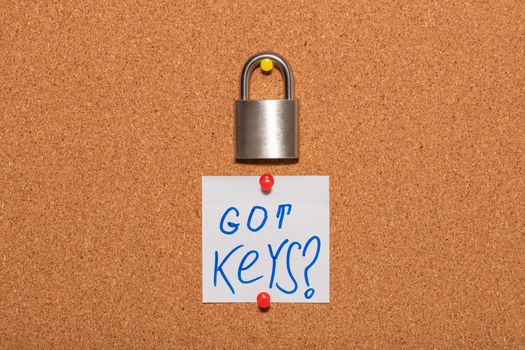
column 112, row 111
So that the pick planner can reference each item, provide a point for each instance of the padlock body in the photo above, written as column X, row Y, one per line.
column 267, row 129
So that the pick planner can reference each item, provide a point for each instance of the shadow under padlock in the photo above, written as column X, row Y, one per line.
column 267, row 130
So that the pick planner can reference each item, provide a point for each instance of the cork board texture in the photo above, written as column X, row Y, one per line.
column 112, row 111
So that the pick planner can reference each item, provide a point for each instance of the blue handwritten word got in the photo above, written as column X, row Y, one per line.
column 282, row 210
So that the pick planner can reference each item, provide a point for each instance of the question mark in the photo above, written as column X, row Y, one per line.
column 310, row 291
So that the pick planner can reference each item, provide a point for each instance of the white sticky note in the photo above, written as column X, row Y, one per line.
column 254, row 242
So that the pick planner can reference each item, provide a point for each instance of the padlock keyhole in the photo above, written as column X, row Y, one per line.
column 267, row 85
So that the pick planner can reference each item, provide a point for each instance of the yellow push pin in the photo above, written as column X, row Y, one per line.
column 266, row 64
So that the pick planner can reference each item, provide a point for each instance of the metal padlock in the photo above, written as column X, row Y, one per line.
column 267, row 129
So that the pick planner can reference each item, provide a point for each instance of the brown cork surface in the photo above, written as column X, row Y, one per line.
column 112, row 111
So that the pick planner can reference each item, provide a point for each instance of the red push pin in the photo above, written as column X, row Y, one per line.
column 266, row 182
column 263, row 300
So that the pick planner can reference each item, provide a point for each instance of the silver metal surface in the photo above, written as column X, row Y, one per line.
column 254, row 61
column 267, row 129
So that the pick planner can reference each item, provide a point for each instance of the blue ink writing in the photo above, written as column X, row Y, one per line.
column 280, row 213
column 218, row 267
column 289, row 269
column 274, row 260
column 310, row 291
column 265, row 217
column 242, row 267
column 234, row 226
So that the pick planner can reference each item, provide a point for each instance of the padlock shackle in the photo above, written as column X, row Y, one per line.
column 255, row 60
